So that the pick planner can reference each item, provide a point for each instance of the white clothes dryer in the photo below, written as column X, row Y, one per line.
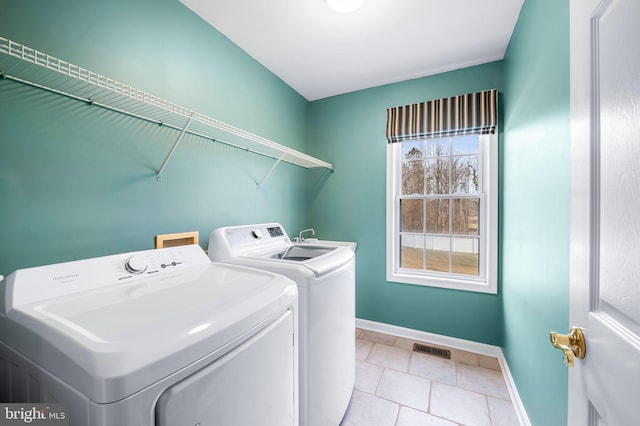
column 159, row 337
column 325, row 274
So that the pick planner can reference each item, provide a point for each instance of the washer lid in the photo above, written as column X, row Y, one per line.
column 267, row 246
column 111, row 341
column 320, row 260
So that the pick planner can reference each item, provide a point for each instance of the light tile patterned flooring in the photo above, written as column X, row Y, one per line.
column 398, row 387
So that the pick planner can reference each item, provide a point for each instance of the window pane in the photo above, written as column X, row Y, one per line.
column 464, row 257
column 437, row 147
column 461, row 145
column 412, row 216
column 412, row 252
column 413, row 177
column 412, row 150
column 438, row 216
column 437, row 251
column 437, row 175
column 464, row 174
column 465, row 216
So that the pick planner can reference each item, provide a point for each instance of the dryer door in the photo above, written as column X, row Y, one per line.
column 254, row 384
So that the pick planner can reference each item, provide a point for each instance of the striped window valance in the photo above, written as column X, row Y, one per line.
column 457, row 115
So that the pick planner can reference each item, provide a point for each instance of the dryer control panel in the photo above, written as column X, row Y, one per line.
column 45, row 282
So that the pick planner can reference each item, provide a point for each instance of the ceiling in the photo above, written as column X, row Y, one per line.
column 321, row 53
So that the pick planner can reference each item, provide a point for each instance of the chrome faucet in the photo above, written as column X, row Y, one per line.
column 301, row 238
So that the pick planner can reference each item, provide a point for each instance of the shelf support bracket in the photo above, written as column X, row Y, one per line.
column 272, row 168
column 173, row 148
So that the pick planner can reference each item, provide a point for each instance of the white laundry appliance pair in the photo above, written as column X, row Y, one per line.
column 325, row 274
column 159, row 337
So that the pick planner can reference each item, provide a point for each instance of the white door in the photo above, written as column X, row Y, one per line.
column 605, row 217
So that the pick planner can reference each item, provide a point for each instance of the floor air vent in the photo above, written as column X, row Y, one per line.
column 432, row 350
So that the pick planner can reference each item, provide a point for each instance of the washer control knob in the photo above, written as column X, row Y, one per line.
column 256, row 233
column 136, row 264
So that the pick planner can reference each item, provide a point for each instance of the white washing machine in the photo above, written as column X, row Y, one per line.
column 325, row 275
column 159, row 337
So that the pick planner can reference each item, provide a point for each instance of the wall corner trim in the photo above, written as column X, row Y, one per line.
column 455, row 343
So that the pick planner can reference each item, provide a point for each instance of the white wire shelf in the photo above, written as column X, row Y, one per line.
column 32, row 67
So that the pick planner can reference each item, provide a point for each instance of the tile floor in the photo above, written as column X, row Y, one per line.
column 398, row 387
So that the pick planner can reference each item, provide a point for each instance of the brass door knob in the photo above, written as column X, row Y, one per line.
column 571, row 344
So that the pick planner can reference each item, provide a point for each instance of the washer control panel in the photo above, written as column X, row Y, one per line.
column 275, row 231
column 254, row 235
column 232, row 241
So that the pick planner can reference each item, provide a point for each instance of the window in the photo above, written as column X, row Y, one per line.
column 442, row 210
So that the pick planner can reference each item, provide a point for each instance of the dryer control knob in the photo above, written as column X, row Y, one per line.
column 256, row 233
column 136, row 264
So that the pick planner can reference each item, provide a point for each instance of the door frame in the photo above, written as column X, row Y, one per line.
column 583, row 157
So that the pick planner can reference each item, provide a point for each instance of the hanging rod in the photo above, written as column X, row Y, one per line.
column 29, row 66
column 89, row 101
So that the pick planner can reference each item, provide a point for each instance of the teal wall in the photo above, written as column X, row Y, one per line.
column 350, row 204
column 79, row 181
column 535, row 217
column 534, row 205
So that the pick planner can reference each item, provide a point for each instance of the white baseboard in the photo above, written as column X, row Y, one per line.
column 513, row 391
column 455, row 343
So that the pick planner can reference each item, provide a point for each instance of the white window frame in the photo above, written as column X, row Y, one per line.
column 487, row 282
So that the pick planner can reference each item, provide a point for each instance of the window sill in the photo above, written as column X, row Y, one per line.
column 438, row 282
